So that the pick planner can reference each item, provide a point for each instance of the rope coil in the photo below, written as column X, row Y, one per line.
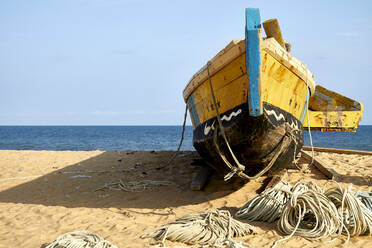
column 205, row 228
column 309, row 213
column 355, row 216
column 268, row 205
column 80, row 239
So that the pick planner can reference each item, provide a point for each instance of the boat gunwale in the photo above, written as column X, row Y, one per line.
column 227, row 55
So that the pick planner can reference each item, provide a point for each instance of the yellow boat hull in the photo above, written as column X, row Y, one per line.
column 281, row 87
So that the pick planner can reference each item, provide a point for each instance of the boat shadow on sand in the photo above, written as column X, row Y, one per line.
column 76, row 185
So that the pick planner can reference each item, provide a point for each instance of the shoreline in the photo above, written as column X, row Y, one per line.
column 62, row 196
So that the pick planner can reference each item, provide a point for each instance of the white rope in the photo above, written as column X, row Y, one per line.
column 365, row 198
column 134, row 186
column 205, row 228
column 309, row 214
column 356, row 217
column 315, row 214
column 80, row 239
column 268, row 205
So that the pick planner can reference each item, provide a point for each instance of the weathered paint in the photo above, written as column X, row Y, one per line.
column 279, row 85
column 334, row 121
column 230, row 90
column 253, row 60
column 332, row 112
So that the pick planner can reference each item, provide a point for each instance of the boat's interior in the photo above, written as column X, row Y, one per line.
column 327, row 100
column 332, row 112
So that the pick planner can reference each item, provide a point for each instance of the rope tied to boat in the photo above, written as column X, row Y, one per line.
column 181, row 141
column 308, row 116
column 213, row 227
column 237, row 168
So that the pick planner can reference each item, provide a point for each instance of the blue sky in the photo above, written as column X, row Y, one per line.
column 126, row 62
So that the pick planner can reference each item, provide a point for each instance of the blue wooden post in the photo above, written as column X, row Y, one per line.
column 253, row 60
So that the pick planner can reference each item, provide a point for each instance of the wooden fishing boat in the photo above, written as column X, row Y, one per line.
column 332, row 112
column 248, row 104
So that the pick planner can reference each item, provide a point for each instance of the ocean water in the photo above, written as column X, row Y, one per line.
column 84, row 138
column 360, row 140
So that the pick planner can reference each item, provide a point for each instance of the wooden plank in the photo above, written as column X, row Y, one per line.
column 336, row 150
column 328, row 172
column 253, row 60
column 201, row 178
column 276, row 179
column 272, row 30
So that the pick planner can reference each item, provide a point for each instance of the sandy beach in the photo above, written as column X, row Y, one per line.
column 44, row 194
